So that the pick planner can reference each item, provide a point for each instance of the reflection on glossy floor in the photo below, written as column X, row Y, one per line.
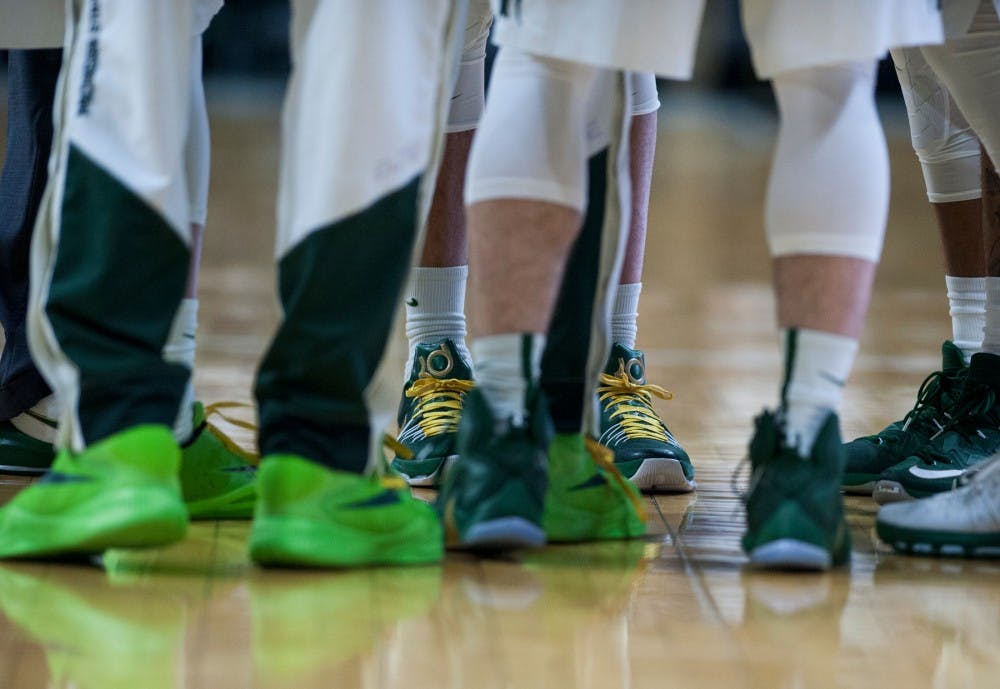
column 675, row 610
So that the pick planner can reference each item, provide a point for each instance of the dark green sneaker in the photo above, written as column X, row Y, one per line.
column 22, row 454
column 311, row 516
column 121, row 492
column 971, row 435
column 795, row 513
column 869, row 456
column 587, row 499
column 493, row 496
column 646, row 452
column 430, row 410
column 218, row 478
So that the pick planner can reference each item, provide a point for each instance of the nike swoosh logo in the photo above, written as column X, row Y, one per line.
column 592, row 482
column 60, row 478
column 387, row 497
column 240, row 470
column 42, row 419
column 944, row 473
column 833, row 379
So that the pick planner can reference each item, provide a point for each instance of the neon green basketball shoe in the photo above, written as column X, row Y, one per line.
column 587, row 499
column 311, row 516
column 121, row 492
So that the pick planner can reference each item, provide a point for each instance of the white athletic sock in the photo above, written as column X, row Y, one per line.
column 818, row 365
column 505, row 366
column 991, row 328
column 967, row 306
column 435, row 308
column 40, row 420
column 180, row 349
column 624, row 314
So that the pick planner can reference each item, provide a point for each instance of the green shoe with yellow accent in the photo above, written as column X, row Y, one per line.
column 218, row 477
column 121, row 492
column 646, row 452
column 587, row 499
column 430, row 410
column 311, row 516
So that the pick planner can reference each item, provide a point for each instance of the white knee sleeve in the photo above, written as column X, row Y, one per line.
column 467, row 99
column 645, row 99
column 968, row 66
column 197, row 147
column 532, row 142
column 944, row 142
column 829, row 186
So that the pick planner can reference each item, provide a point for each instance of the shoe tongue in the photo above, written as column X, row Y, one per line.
column 632, row 361
column 985, row 368
column 439, row 360
column 766, row 438
column 952, row 358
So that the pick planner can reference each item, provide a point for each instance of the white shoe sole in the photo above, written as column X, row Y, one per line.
column 789, row 553
column 505, row 533
column 662, row 475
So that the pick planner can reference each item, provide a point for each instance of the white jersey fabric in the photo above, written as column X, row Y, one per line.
column 656, row 36
column 786, row 35
column 26, row 24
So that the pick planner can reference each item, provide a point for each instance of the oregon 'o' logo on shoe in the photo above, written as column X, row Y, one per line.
column 634, row 369
column 437, row 364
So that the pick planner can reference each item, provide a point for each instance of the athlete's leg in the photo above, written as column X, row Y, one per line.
column 646, row 452
column 966, row 65
column 109, row 265
column 28, row 416
column 435, row 292
column 527, row 191
column 826, row 207
column 324, row 388
column 949, row 156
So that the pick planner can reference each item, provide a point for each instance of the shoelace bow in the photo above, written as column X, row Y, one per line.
column 216, row 409
column 605, row 458
column 928, row 397
column 438, row 406
column 387, row 477
column 969, row 414
column 634, row 400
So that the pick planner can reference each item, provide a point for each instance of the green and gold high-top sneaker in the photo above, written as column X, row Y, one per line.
column 646, row 452
column 430, row 410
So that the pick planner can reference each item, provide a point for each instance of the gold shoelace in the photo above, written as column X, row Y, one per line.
column 637, row 420
column 605, row 458
column 438, row 405
column 387, row 477
column 216, row 409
